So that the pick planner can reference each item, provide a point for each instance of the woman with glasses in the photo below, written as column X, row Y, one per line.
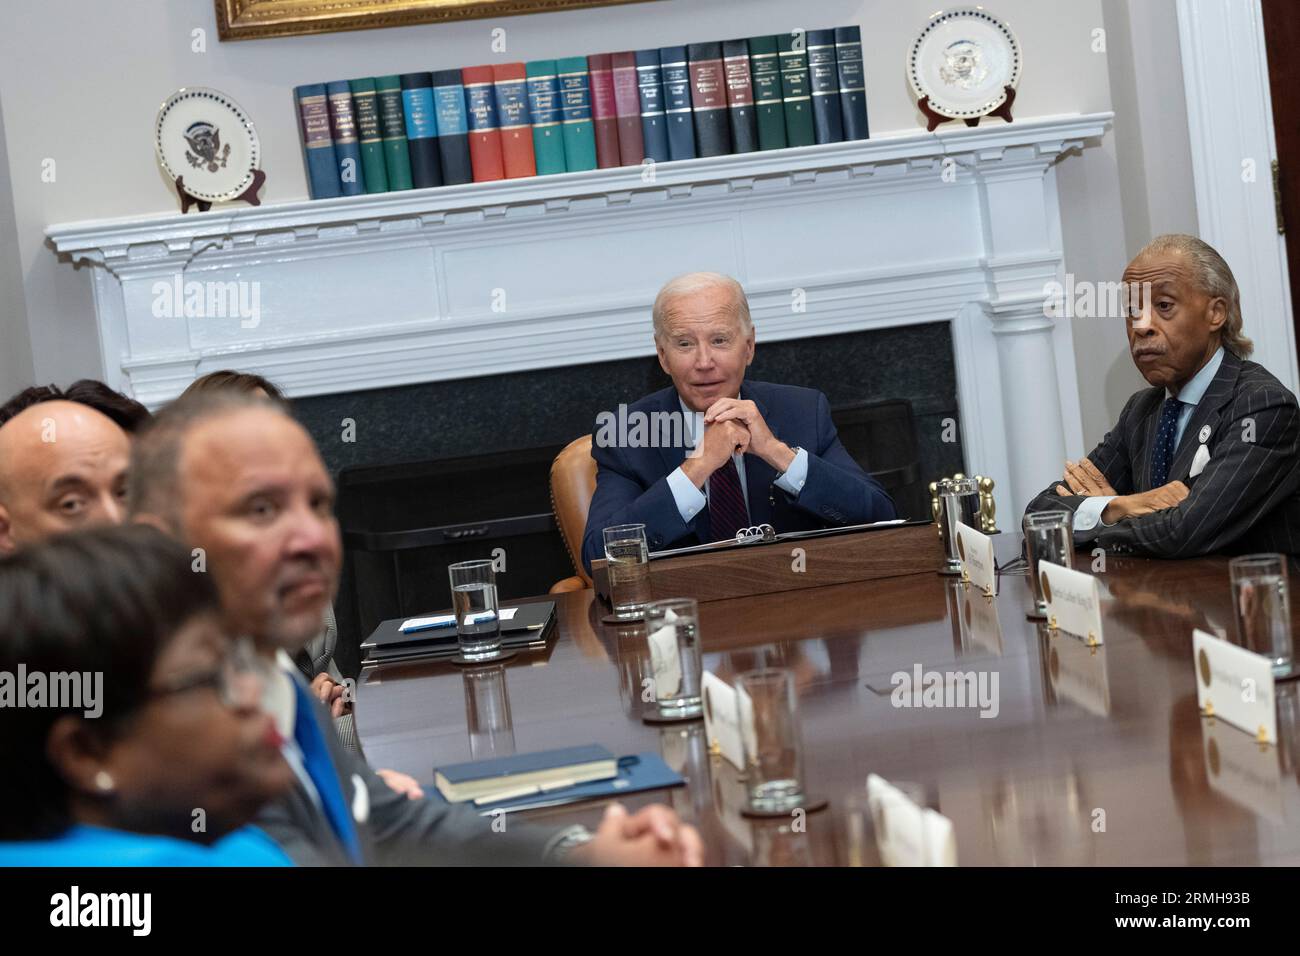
column 130, row 726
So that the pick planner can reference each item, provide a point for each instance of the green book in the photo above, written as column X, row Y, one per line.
column 544, row 105
column 365, row 103
column 575, row 113
column 392, row 125
column 796, row 91
column 765, row 71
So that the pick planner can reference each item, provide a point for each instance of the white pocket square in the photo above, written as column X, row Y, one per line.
column 1199, row 461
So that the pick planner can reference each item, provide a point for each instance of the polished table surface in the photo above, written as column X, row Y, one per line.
column 1095, row 755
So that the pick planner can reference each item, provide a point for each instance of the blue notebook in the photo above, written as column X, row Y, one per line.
column 637, row 772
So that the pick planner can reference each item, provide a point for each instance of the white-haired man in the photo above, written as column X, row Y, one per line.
column 1208, row 458
column 769, row 454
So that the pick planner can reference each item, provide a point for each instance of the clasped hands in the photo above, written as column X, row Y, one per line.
column 734, row 425
column 1084, row 478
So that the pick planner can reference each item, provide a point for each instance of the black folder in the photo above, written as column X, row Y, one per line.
column 531, row 626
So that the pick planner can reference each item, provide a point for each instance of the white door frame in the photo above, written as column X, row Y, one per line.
column 1230, row 124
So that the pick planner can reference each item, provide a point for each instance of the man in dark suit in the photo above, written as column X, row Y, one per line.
column 1208, row 458
column 242, row 483
column 769, row 454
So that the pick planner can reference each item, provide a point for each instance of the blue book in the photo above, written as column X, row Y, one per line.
column 575, row 113
column 544, row 105
column 824, row 83
column 453, row 127
column 421, row 130
column 677, row 102
column 650, row 85
column 853, row 81
column 469, row 781
column 317, row 141
column 635, row 773
column 347, row 143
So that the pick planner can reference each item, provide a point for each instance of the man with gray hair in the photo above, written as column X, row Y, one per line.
column 1208, row 458
column 242, row 483
column 768, row 454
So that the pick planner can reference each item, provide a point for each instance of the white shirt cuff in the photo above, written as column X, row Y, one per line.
column 690, row 500
column 796, row 476
column 1088, row 515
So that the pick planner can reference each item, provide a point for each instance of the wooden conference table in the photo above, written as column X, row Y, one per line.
column 1082, row 739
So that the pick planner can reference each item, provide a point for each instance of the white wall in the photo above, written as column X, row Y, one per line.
column 89, row 105
column 15, row 346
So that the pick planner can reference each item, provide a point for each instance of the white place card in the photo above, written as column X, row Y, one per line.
column 665, row 659
column 1236, row 685
column 1073, row 601
column 721, row 719
column 908, row 834
column 975, row 549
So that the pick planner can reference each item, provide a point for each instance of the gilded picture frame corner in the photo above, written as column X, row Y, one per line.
column 260, row 19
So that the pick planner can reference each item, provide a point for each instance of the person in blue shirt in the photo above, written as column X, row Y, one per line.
column 131, row 731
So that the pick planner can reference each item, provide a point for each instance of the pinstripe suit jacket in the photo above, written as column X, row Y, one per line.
column 1246, row 499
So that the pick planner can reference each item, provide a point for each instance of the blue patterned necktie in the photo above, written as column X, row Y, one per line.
column 727, row 511
column 1162, row 456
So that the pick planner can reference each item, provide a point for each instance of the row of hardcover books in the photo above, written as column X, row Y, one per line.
column 510, row 120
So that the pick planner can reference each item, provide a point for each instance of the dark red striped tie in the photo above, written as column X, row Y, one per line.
column 727, row 511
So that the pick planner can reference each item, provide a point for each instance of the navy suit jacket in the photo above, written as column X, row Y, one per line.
column 632, row 483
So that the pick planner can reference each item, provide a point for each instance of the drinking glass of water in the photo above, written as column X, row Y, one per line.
column 769, row 729
column 1263, row 607
column 629, row 570
column 474, row 601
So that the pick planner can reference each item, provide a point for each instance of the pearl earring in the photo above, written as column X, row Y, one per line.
column 104, row 782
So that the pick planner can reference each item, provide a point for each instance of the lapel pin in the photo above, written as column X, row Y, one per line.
column 1205, row 434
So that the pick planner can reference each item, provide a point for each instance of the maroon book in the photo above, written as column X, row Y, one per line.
column 604, row 114
column 709, row 99
column 627, row 104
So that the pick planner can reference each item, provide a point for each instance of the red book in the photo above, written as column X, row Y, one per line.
column 627, row 104
column 603, row 113
column 515, row 120
column 484, row 136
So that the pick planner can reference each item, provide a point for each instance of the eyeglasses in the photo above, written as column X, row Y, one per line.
column 238, row 680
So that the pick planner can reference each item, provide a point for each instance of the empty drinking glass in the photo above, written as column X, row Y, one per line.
column 1049, row 536
column 1263, row 607
column 769, row 727
column 673, row 634
column 959, row 500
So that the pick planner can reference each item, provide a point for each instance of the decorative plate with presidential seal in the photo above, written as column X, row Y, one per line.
column 963, row 62
column 206, row 141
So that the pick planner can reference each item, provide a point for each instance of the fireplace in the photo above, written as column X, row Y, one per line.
column 448, row 471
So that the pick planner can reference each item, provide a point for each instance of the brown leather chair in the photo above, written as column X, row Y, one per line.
column 573, row 482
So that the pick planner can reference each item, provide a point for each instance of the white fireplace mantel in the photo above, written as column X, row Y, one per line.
column 959, row 226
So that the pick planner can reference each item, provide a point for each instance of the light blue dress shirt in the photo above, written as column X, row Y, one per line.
column 1088, row 515
column 691, row 500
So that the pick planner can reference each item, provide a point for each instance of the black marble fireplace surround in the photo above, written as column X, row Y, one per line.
column 471, row 450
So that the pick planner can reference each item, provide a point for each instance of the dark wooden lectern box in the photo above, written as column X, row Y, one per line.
column 884, row 552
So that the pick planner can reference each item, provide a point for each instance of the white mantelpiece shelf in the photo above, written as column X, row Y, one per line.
column 960, row 226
